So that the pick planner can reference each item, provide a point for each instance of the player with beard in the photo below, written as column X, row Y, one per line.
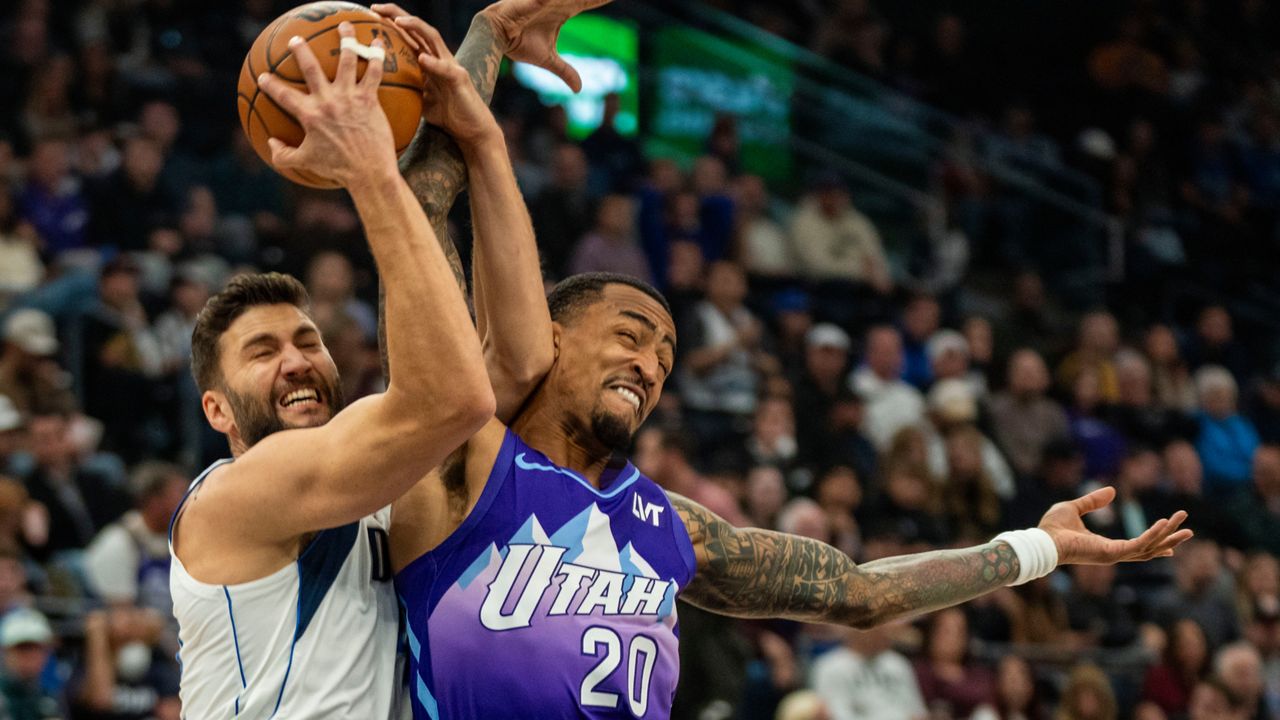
column 539, row 576
column 279, row 585
column 539, row 570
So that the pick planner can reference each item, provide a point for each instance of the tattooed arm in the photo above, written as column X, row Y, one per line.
column 748, row 572
column 433, row 164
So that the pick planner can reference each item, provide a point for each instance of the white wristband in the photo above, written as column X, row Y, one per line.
column 1036, row 551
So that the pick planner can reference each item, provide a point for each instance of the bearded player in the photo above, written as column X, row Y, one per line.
column 539, row 574
column 279, row 581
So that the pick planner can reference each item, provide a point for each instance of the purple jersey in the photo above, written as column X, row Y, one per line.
column 553, row 599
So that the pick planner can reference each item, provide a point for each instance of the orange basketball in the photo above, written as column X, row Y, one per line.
column 317, row 23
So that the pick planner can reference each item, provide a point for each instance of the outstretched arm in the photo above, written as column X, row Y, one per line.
column 748, row 572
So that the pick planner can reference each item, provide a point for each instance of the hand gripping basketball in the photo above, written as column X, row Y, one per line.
column 450, row 100
column 347, row 133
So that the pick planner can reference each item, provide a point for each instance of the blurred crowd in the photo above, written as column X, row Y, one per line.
column 822, row 388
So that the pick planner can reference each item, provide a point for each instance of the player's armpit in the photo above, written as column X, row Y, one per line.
column 754, row 573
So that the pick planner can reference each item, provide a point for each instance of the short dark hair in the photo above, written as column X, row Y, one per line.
column 575, row 292
column 242, row 293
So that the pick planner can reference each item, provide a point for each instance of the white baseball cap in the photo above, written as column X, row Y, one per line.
column 32, row 330
column 827, row 335
column 25, row 626
column 10, row 418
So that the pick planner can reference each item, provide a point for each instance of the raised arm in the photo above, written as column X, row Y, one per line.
column 510, row 305
column 753, row 573
column 299, row 481
column 434, row 165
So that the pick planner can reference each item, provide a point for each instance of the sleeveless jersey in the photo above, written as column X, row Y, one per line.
column 553, row 599
column 315, row 639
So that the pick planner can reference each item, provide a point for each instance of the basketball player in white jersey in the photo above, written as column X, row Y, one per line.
column 277, row 577
column 287, row 611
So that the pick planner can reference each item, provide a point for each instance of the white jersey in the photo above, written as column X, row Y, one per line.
column 315, row 639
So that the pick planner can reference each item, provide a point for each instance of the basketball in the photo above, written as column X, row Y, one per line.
column 317, row 23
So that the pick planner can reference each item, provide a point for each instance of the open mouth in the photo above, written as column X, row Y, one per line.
column 632, row 394
column 302, row 398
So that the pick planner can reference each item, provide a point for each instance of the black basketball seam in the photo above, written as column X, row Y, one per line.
column 271, row 67
column 257, row 89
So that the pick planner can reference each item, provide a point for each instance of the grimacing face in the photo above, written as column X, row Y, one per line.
column 276, row 373
column 615, row 354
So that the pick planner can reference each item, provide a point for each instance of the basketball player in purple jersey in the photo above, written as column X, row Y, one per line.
column 539, row 575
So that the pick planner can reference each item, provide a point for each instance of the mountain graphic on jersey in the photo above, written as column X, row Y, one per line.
column 554, row 600
column 577, row 570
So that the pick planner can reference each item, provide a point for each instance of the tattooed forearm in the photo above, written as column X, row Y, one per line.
column 433, row 164
column 761, row 573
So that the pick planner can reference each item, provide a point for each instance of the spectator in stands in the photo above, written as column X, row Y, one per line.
column 969, row 495
column 948, row 354
column 562, row 212
column 1101, row 442
column 1099, row 339
column 79, row 501
column 1137, row 415
column 907, row 512
column 952, row 407
column 804, row 517
column 1214, row 344
column 921, row 318
column 765, row 251
column 124, row 673
column 1213, row 700
column 28, row 644
column 792, row 321
column 1227, row 439
column 1087, row 696
column 53, row 201
column 1138, row 495
column 1255, row 510
column 951, row 681
column 612, row 245
column 1184, row 663
column 1024, row 419
column 980, row 335
column 1015, row 693
column 128, row 561
column 11, row 429
column 842, row 441
column 1239, row 666
column 666, row 457
column 1099, row 613
column 1258, row 593
column 121, row 360
column 1197, row 594
column 826, row 361
column 720, row 344
column 765, row 495
column 866, row 679
column 331, row 282
column 716, row 223
column 29, row 373
column 891, row 404
column 1033, row 320
column 1264, row 408
column 1185, row 480
column 127, row 205
column 838, row 246
column 839, row 493
column 20, row 266
column 802, row 705
column 611, row 154
column 772, row 441
column 1171, row 377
